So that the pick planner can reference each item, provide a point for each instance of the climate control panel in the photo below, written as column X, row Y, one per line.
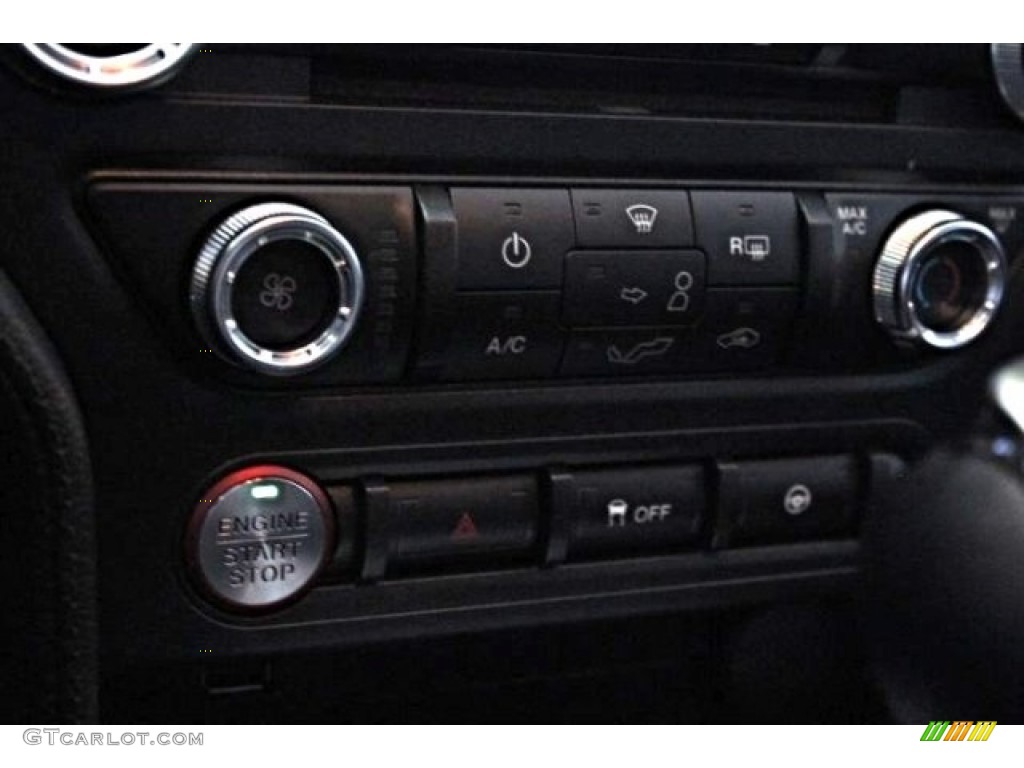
column 324, row 285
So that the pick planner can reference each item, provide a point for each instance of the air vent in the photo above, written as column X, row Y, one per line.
column 111, row 66
column 1008, row 67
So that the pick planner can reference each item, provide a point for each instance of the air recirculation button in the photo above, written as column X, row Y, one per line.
column 277, row 289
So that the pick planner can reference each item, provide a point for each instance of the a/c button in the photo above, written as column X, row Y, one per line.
column 505, row 335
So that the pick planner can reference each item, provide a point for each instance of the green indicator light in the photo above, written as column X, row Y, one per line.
column 265, row 491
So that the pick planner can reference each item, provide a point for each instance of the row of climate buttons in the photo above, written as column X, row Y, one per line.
column 354, row 284
column 262, row 536
column 583, row 282
column 517, row 335
column 516, row 239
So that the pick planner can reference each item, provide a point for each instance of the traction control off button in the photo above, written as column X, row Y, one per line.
column 636, row 510
column 259, row 538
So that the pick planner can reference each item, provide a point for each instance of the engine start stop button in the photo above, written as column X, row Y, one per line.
column 260, row 537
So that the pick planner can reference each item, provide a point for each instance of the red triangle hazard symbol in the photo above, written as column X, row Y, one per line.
column 465, row 528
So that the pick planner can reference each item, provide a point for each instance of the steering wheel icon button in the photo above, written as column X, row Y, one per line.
column 798, row 500
column 790, row 500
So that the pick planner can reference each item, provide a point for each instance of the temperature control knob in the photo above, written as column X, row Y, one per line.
column 939, row 280
column 277, row 289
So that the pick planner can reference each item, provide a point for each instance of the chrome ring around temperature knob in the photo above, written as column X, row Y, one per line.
column 939, row 280
column 232, row 246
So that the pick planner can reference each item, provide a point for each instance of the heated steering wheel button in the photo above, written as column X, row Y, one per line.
column 792, row 499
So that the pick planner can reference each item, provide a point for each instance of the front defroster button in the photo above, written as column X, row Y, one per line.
column 632, row 218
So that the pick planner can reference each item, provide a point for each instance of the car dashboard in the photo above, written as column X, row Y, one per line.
column 452, row 382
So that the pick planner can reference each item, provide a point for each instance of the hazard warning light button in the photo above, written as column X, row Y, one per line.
column 482, row 523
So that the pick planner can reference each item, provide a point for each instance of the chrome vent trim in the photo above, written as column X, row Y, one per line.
column 148, row 65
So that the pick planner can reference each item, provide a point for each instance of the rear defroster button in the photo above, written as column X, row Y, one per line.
column 259, row 538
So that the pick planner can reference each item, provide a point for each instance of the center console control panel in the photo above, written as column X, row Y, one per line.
column 263, row 536
column 325, row 285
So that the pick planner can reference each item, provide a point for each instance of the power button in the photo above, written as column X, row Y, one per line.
column 512, row 238
column 516, row 251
